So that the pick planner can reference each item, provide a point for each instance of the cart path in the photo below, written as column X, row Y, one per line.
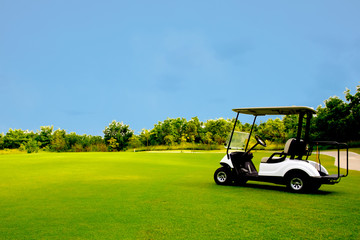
column 354, row 159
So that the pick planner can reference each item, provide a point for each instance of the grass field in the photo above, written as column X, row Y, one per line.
column 356, row 150
column 162, row 196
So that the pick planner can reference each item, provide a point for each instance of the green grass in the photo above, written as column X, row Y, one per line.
column 162, row 196
column 355, row 150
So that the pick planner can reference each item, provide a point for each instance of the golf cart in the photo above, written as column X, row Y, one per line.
column 290, row 167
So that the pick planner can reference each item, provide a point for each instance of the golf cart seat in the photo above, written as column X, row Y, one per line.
column 292, row 148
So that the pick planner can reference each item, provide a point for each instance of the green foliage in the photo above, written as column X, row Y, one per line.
column 272, row 130
column 177, row 131
column 219, row 129
column 113, row 144
column 134, row 141
column 354, row 114
column 290, row 125
column 14, row 138
column 193, row 130
column 208, row 138
column 58, row 142
column 144, row 137
column 30, row 146
column 1, row 141
column 338, row 120
column 168, row 132
column 44, row 136
column 49, row 140
column 120, row 132
column 85, row 143
column 169, row 139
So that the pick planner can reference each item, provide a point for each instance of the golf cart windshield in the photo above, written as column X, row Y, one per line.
column 238, row 140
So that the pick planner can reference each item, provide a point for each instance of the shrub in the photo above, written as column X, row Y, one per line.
column 30, row 146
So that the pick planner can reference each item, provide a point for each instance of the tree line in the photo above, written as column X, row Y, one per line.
column 337, row 120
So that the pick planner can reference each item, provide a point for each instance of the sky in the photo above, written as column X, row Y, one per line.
column 78, row 65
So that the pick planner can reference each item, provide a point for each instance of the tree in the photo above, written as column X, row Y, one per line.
column 192, row 130
column 135, row 142
column 338, row 120
column 145, row 137
column 169, row 140
column 58, row 142
column 208, row 138
column 113, row 144
column 272, row 130
column 169, row 127
column 74, row 142
column 219, row 129
column 1, row 141
column 330, row 123
column 291, row 124
column 30, row 146
column 14, row 138
column 97, row 144
column 120, row 132
column 44, row 136
column 354, row 114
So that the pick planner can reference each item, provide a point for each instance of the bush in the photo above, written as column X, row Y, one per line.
column 30, row 146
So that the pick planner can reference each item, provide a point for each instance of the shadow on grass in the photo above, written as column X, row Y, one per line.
column 252, row 185
column 279, row 188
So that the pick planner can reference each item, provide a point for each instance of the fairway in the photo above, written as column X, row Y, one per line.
column 162, row 196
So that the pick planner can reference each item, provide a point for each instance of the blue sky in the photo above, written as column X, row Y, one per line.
column 78, row 65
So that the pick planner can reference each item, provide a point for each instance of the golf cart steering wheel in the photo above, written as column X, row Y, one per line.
column 260, row 140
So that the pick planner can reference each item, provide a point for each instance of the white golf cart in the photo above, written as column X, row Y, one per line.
column 287, row 167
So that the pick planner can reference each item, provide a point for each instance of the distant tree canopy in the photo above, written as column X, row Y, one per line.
column 338, row 120
column 117, row 136
column 49, row 140
column 179, row 130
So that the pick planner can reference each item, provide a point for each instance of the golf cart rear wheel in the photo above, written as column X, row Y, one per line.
column 222, row 176
column 297, row 182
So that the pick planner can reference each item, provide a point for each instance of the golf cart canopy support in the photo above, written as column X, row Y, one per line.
column 290, row 110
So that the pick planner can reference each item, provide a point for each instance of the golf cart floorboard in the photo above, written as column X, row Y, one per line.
column 278, row 180
column 333, row 176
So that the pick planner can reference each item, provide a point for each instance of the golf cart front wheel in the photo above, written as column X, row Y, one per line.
column 222, row 176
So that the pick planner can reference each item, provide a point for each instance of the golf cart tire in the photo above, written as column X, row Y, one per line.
column 223, row 176
column 298, row 182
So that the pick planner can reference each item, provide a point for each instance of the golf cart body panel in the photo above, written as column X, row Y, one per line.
column 286, row 167
column 318, row 167
column 225, row 161
column 280, row 169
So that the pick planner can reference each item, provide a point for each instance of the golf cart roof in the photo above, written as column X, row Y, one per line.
column 261, row 111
